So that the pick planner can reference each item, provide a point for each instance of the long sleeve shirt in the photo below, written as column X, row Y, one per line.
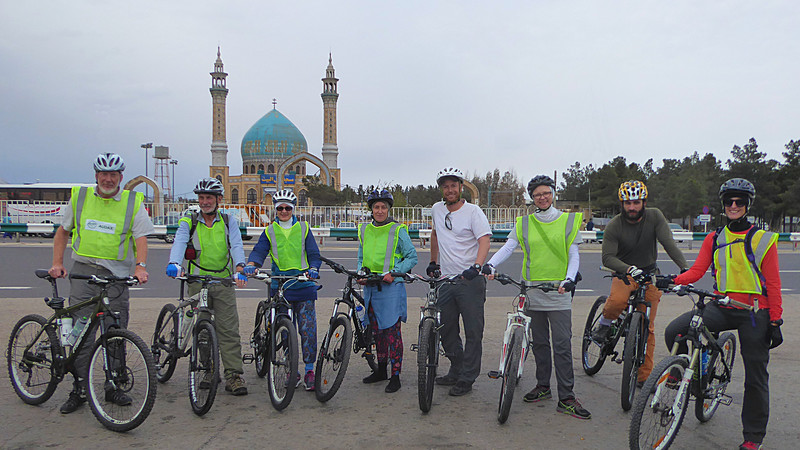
column 182, row 240
column 628, row 244
column 408, row 254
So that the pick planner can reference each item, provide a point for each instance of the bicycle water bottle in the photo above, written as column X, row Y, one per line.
column 360, row 313
column 704, row 362
column 187, row 321
column 77, row 330
column 65, row 325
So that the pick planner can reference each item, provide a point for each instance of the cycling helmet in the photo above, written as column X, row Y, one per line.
column 382, row 195
column 449, row 172
column 738, row 186
column 284, row 196
column 632, row 190
column 109, row 162
column 540, row 180
column 209, row 186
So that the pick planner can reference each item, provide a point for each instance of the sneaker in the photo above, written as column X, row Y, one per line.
column 236, row 385
column 600, row 333
column 308, row 380
column 537, row 394
column 460, row 388
column 573, row 407
column 74, row 401
column 118, row 397
column 446, row 380
column 748, row 445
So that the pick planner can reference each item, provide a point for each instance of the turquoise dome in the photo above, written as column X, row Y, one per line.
column 274, row 136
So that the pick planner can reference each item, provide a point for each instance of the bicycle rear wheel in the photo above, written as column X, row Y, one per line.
column 124, row 399
column 427, row 361
column 660, row 407
column 283, row 358
column 260, row 337
column 510, row 372
column 203, row 367
column 165, row 343
column 592, row 352
column 31, row 373
column 714, row 389
column 630, row 358
column 333, row 357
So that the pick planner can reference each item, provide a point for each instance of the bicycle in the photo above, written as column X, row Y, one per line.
column 516, row 342
column 41, row 351
column 632, row 324
column 274, row 340
column 187, row 329
column 661, row 406
column 428, row 346
column 334, row 355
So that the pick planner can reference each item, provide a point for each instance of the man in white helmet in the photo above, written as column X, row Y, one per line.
column 92, row 214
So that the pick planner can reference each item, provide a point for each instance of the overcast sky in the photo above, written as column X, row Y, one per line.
column 529, row 85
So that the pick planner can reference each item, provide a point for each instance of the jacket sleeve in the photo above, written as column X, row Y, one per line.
column 701, row 264
column 312, row 251
column 260, row 251
column 237, row 247
column 771, row 271
column 179, row 244
column 405, row 248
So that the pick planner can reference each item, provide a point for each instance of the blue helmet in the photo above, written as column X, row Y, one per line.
column 382, row 195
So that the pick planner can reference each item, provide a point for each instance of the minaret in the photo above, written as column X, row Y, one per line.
column 219, row 144
column 330, row 150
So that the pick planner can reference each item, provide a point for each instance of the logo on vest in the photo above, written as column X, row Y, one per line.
column 101, row 227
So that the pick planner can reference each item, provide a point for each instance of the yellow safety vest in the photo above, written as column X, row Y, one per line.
column 545, row 246
column 102, row 227
column 287, row 247
column 734, row 272
column 211, row 244
column 379, row 245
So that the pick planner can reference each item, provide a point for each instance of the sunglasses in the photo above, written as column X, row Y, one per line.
column 447, row 222
column 283, row 208
column 731, row 201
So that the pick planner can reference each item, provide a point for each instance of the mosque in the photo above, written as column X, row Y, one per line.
column 274, row 151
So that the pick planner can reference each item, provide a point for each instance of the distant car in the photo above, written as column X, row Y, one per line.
column 675, row 227
column 326, row 225
column 418, row 226
column 346, row 226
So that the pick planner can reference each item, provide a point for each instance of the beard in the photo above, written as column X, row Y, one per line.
column 107, row 192
column 634, row 215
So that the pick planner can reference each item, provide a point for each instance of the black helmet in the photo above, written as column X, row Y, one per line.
column 382, row 195
column 540, row 180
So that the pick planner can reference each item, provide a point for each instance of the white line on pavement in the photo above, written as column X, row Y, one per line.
column 14, row 287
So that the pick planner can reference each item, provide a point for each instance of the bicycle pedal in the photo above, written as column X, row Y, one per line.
column 248, row 358
column 414, row 347
column 725, row 399
column 616, row 358
column 494, row 374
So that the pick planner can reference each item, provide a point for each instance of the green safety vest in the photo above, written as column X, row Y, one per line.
column 102, row 227
column 734, row 271
column 546, row 246
column 211, row 244
column 287, row 246
column 379, row 246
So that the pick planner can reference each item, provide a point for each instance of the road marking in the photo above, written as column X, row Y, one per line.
column 15, row 287
column 584, row 290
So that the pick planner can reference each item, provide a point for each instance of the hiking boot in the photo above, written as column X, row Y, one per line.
column 236, row 385
column 573, row 407
column 394, row 384
column 378, row 375
column 538, row 393
column 308, row 380
column 446, row 380
column 460, row 388
column 748, row 445
column 600, row 333
column 118, row 397
column 74, row 401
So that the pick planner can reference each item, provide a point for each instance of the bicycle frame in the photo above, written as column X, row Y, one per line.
column 636, row 299
column 198, row 303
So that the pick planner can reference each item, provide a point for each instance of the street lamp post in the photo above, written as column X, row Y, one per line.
column 174, row 163
column 146, row 147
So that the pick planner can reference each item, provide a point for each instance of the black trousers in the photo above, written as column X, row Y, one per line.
column 464, row 299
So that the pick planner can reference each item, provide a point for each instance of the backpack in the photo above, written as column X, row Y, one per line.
column 191, row 253
column 748, row 251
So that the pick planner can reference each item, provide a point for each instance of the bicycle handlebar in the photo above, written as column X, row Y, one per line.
column 101, row 279
column 724, row 300
column 206, row 279
column 545, row 286
column 338, row 268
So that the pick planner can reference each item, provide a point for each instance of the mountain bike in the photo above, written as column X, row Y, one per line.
column 633, row 324
column 187, row 329
column 516, row 342
column 274, row 339
column 704, row 372
column 41, row 351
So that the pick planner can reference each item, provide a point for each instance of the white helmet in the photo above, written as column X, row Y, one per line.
column 449, row 172
column 209, row 186
column 284, row 196
column 109, row 162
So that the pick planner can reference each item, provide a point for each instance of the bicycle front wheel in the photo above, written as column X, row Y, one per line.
column 203, row 367
column 592, row 352
column 660, row 407
column 717, row 378
column 630, row 358
column 283, row 356
column 31, row 373
column 333, row 357
column 427, row 361
column 165, row 343
column 510, row 372
column 121, row 384
column 260, row 337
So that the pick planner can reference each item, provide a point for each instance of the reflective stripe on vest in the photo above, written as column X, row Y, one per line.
column 735, row 273
column 288, row 247
column 549, row 260
column 102, row 227
column 379, row 246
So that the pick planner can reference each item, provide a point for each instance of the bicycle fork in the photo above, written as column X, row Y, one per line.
column 514, row 321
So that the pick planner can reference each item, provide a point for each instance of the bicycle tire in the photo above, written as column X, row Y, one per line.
column 630, row 359
column 510, row 373
column 704, row 408
column 593, row 354
column 203, row 367
column 651, row 415
column 427, row 361
column 282, row 364
column 260, row 337
column 33, row 384
column 370, row 350
column 136, row 378
column 333, row 358
column 165, row 343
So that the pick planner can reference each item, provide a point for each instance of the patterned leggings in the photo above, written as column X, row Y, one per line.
column 305, row 319
column 388, row 342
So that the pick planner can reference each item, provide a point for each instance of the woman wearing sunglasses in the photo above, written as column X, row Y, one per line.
column 293, row 250
column 383, row 247
column 744, row 264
